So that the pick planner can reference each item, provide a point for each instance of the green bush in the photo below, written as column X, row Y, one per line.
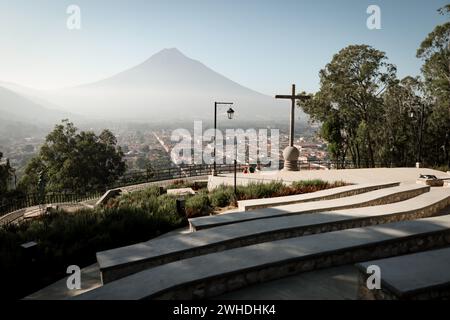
column 198, row 205
column 309, row 183
column 222, row 197
column 74, row 238
column 260, row 190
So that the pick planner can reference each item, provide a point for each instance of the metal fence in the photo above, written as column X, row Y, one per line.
column 13, row 203
column 17, row 202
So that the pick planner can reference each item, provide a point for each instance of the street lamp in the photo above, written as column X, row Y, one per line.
column 230, row 113
column 412, row 115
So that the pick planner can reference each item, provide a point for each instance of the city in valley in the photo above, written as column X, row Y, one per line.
column 144, row 144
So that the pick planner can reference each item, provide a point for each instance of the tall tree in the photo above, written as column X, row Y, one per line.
column 350, row 99
column 75, row 161
column 435, row 51
column 403, row 102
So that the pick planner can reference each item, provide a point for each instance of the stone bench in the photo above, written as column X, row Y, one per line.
column 334, row 193
column 217, row 273
column 373, row 198
column 117, row 263
column 419, row 276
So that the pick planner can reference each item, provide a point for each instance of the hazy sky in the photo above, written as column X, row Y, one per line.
column 264, row 45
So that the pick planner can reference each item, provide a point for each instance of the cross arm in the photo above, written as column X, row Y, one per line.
column 283, row 97
column 297, row 97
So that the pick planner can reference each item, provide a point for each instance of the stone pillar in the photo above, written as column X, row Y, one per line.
column 290, row 155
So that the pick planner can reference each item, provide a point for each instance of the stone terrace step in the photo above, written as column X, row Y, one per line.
column 216, row 273
column 334, row 193
column 118, row 263
column 420, row 276
column 373, row 198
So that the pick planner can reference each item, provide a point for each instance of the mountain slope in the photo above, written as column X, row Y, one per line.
column 167, row 86
column 15, row 107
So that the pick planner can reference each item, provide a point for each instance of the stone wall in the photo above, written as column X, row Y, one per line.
column 331, row 196
column 215, row 286
column 386, row 293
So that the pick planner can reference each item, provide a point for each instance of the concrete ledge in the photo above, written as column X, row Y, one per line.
column 420, row 276
column 118, row 263
column 217, row 273
column 328, row 194
column 373, row 198
column 431, row 182
column 108, row 195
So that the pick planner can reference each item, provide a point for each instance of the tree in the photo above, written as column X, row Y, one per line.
column 6, row 173
column 350, row 101
column 435, row 51
column 75, row 161
column 404, row 104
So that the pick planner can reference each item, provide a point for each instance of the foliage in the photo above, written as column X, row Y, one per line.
column 75, row 161
column 198, row 205
column 73, row 238
column 349, row 102
column 6, row 172
column 259, row 190
column 368, row 116
column 222, row 197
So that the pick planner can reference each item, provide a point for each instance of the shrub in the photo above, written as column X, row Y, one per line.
column 309, row 183
column 74, row 238
column 222, row 197
column 307, row 186
column 198, row 205
column 260, row 190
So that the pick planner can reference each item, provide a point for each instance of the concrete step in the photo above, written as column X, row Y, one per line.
column 373, row 198
column 117, row 263
column 217, row 273
column 334, row 193
column 419, row 276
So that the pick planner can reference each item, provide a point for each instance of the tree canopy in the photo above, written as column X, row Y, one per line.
column 370, row 117
column 75, row 161
column 5, row 174
column 349, row 103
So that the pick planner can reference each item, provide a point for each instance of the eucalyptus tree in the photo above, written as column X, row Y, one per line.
column 435, row 52
column 349, row 103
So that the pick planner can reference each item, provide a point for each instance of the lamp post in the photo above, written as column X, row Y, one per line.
column 230, row 113
column 421, row 123
column 235, row 168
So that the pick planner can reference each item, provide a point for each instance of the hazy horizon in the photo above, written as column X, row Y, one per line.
column 263, row 45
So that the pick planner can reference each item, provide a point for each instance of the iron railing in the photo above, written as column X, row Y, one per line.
column 13, row 203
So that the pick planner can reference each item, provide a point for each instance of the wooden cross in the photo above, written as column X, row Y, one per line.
column 293, row 97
